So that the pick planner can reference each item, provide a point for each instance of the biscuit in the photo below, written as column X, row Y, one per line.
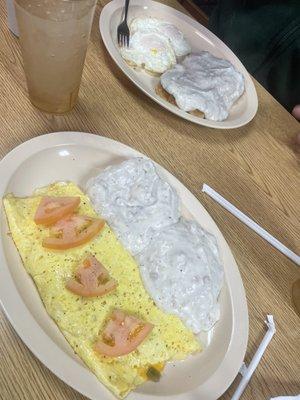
column 160, row 91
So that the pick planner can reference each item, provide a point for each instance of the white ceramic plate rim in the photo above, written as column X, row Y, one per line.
column 104, row 27
column 40, row 343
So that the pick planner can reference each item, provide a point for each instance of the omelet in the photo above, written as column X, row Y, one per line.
column 81, row 320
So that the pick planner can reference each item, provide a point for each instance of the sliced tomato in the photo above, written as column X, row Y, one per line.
column 122, row 334
column 92, row 279
column 52, row 209
column 73, row 231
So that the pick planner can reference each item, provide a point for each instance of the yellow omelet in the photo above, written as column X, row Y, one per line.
column 82, row 319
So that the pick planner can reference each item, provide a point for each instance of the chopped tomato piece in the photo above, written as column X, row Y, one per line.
column 73, row 231
column 52, row 209
column 92, row 279
column 122, row 334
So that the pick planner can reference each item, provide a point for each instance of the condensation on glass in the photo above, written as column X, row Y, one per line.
column 54, row 36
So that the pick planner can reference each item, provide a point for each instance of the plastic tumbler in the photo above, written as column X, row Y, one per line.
column 54, row 35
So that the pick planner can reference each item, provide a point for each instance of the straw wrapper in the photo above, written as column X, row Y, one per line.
column 286, row 397
column 247, row 372
column 251, row 224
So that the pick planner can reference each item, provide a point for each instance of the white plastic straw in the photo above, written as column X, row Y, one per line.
column 11, row 17
column 248, row 371
column 251, row 224
column 286, row 397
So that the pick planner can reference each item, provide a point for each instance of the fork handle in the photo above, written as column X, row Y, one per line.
column 126, row 9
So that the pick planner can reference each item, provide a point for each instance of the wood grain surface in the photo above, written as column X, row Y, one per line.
column 255, row 167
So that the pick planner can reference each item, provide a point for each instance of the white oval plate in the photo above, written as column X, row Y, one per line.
column 199, row 38
column 77, row 156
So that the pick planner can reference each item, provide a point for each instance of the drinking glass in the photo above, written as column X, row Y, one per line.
column 54, row 35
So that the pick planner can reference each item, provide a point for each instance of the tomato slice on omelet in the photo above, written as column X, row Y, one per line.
column 82, row 319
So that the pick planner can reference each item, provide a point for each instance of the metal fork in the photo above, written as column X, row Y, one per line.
column 123, row 30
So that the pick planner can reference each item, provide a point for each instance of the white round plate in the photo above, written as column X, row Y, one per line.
column 199, row 38
column 76, row 157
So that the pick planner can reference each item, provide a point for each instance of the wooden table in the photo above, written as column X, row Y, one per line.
column 255, row 167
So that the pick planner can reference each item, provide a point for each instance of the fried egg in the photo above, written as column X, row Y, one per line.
column 82, row 319
column 154, row 45
column 154, row 25
column 151, row 51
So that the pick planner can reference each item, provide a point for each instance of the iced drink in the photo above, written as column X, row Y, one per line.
column 54, row 35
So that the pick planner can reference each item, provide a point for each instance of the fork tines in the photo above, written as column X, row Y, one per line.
column 123, row 35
